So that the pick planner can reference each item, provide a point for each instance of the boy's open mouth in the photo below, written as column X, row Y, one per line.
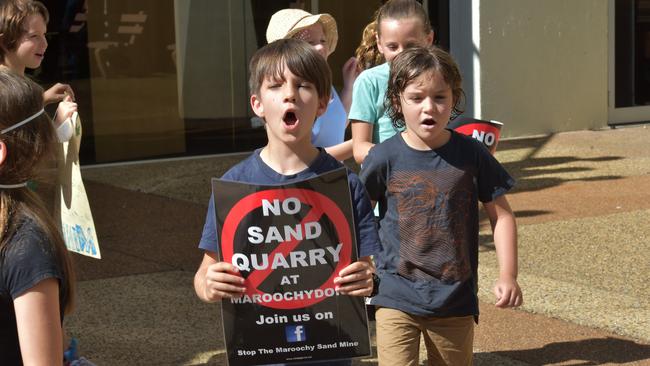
column 290, row 118
column 429, row 122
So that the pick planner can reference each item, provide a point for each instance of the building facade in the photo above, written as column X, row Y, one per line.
column 163, row 78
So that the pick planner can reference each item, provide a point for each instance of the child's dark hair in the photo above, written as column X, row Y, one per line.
column 13, row 14
column 409, row 65
column 403, row 9
column 301, row 59
column 27, row 147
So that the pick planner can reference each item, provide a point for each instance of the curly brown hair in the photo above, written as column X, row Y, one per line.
column 367, row 53
column 409, row 65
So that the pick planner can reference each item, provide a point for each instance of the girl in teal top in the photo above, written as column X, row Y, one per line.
column 400, row 24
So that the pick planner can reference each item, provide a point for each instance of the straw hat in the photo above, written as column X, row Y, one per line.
column 287, row 22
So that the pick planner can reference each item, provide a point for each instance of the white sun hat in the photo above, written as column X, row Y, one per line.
column 287, row 22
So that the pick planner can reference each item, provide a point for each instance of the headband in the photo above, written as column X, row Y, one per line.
column 13, row 127
column 19, row 185
column 25, row 121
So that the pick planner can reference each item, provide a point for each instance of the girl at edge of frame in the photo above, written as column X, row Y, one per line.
column 36, row 274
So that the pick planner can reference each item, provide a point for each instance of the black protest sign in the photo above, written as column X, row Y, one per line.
column 289, row 243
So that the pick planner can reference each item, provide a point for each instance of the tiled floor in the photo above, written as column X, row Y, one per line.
column 583, row 208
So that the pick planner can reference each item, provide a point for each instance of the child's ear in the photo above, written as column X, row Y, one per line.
column 322, row 107
column 3, row 152
column 257, row 106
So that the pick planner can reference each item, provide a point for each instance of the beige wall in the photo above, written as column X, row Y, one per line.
column 542, row 64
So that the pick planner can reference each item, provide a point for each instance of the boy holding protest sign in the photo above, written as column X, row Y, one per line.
column 290, row 87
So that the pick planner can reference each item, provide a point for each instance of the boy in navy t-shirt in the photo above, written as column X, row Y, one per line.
column 290, row 85
column 428, row 181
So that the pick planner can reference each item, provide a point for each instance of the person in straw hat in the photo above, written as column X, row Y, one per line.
column 320, row 31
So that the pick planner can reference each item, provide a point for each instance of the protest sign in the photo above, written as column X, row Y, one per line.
column 289, row 243
column 77, row 223
column 487, row 132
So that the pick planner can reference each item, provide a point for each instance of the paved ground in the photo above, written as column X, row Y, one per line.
column 583, row 208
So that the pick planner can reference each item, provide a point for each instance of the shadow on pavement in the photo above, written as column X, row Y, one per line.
column 530, row 213
column 527, row 169
column 595, row 351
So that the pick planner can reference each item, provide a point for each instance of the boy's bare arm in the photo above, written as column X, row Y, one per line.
column 342, row 151
column 215, row 280
column 361, row 139
column 506, row 289
column 350, row 73
column 356, row 279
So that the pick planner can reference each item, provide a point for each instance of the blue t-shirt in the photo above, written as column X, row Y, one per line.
column 429, row 222
column 254, row 170
column 368, row 95
column 329, row 128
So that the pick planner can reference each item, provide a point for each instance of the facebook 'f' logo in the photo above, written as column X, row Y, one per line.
column 295, row 333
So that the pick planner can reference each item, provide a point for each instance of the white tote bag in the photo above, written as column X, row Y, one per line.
column 77, row 223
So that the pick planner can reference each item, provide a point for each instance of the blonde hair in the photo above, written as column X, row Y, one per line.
column 367, row 53
column 403, row 9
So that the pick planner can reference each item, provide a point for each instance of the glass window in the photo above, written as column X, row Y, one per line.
column 632, row 53
column 157, row 78
column 166, row 78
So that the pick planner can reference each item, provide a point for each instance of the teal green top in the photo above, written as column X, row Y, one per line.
column 368, row 96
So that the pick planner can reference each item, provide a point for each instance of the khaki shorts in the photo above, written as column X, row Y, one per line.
column 448, row 340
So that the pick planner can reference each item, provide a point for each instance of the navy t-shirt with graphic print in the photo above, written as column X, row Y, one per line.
column 428, row 222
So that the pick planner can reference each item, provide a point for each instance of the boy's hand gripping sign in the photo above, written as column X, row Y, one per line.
column 289, row 243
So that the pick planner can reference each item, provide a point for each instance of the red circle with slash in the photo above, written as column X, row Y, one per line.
column 320, row 205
